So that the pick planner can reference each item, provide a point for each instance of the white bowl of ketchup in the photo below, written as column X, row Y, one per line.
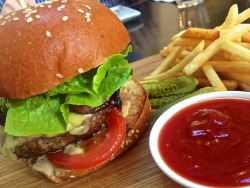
column 204, row 141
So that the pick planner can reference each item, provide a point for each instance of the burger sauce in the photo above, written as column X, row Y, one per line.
column 209, row 142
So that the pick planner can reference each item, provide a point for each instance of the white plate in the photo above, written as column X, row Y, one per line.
column 125, row 14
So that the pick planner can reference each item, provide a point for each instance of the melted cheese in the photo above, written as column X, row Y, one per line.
column 77, row 124
column 8, row 143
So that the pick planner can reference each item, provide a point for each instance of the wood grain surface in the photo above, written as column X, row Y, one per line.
column 134, row 168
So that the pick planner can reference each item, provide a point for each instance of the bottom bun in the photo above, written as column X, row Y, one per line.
column 136, row 111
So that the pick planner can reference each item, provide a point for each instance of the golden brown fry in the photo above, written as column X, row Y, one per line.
column 166, row 64
column 241, row 77
column 199, row 74
column 230, row 84
column 231, row 66
column 190, row 42
column 231, row 19
column 236, row 49
column 215, row 47
column 245, row 87
column 177, row 68
column 213, row 77
column 203, row 34
column 246, row 37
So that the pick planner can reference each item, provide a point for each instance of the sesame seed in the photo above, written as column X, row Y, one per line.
column 7, row 17
column 48, row 34
column 129, row 134
column 49, row 6
column 36, row 5
column 47, row 2
column 33, row 11
column 16, row 18
column 136, row 136
column 132, row 131
column 59, row 8
column 29, row 19
column 1, row 16
column 38, row 16
column 28, row 9
column 137, row 131
column 64, row 1
column 80, row 70
column 3, row 23
column 59, row 75
column 80, row 10
column 87, row 6
column 13, row 13
column 65, row 18
column 87, row 14
column 72, row 176
column 126, row 142
column 63, row 6
column 27, row 15
column 41, row 5
column 88, row 19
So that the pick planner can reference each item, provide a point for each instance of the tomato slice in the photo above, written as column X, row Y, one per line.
column 98, row 154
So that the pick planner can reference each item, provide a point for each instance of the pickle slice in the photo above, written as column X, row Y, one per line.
column 182, row 84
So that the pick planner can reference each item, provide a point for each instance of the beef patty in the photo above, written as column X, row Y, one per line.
column 42, row 145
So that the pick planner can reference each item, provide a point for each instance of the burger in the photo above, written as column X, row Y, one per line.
column 69, row 104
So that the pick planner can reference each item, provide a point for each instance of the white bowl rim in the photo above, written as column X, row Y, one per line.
column 153, row 138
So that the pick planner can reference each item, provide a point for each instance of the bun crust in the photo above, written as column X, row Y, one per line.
column 137, row 105
column 48, row 44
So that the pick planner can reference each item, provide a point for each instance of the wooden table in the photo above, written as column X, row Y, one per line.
column 134, row 168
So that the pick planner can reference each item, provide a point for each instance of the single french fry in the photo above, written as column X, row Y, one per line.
column 230, row 84
column 213, row 77
column 245, row 87
column 243, row 16
column 177, row 68
column 215, row 47
column 231, row 66
column 236, row 49
column 203, row 34
column 246, row 37
column 190, row 42
column 231, row 19
column 241, row 77
column 168, row 61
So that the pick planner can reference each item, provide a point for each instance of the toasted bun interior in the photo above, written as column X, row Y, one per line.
column 47, row 44
column 135, row 109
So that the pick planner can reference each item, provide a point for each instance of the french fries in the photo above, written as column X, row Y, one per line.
column 236, row 49
column 217, row 57
column 198, row 33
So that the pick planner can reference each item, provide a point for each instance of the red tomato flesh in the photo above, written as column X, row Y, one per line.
column 209, row 142
column 105, row 147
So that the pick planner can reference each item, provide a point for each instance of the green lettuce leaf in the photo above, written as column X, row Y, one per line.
column 48, row 113
column 35, row 115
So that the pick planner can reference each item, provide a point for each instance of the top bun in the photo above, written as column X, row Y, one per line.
column 47, row 44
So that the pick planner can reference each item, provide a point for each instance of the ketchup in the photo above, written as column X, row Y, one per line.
column 209, row 142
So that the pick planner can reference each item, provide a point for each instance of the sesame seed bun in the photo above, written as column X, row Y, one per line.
column 47, row 44
column 136, row 111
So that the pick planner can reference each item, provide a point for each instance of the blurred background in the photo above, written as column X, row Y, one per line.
column 159, row 21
